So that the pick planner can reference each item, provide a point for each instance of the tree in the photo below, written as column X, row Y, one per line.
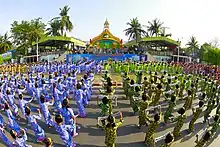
column 211, row 54
column 5, row 43
column 155, row 27
column 134, row 30
column 54, row 27
column 65, row 25
column 163, row 32
column 192, row 47
column 27, row 32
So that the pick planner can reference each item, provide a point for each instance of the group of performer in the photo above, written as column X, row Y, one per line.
column 163, row 84
column 53, row 85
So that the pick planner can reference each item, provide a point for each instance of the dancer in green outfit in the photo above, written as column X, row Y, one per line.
column 196, row 114
column 168, row 112
column 156, row 98
column 143, row 105
column 179, row 122
column 203, row 140
column 168, row 141
column 111, row 130
column 139, row 77
column 149, row 137
column 104, row 105
column 207, row 112
column 188, row 103
column 215, row 125
column 131, row 93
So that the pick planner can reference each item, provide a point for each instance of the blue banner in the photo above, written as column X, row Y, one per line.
column 100, row 57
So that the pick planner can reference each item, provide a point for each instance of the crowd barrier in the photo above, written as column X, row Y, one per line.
column 72, row 58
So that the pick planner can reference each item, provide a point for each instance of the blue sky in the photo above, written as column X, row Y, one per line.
column 183, row 17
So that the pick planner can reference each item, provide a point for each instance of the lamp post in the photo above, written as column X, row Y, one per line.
column 37, row 50
column 178, row 56
column 178, row 51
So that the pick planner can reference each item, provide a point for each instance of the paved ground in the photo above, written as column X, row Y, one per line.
column 128, row 134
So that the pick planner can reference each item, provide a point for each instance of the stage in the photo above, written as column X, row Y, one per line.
column 71, row 58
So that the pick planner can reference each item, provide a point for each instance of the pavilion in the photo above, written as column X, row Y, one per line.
column 161, row 48
column 105, row 40
column 52, row 47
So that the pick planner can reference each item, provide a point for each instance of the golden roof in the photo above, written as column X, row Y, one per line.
column 105, row 35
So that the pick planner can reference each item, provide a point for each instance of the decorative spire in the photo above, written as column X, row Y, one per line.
column 106, row 24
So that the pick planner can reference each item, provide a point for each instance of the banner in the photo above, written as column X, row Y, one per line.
column 100, row 57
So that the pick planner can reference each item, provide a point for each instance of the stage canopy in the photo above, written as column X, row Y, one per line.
column 54, row 41
column 154, row 42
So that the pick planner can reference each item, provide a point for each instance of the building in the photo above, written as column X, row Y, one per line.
column 105, row 42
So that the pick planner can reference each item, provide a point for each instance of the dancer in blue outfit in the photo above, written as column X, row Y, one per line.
column 19, row 138
column 3, row 136
column 79, row 94
column 69, row 117
column 45, row 111
column 56, row 95
column 12, row 124
column 63, row 131
column 39, row 132
column 22, row 103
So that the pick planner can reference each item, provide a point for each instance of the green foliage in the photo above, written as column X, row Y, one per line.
column 27, row 32
column 54, row 27
column 193, row 47
column 155, row 28
column 211, row 54
column 135, row 30
column 5, row 43
column 62, row 24
column 1, row 60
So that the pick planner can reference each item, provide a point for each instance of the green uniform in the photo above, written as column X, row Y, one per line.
column 188, row 102
column 104, row 108
column 125, row 86
column 131, row 93
column 200, row 143
column 196, row 115
column 156, row 98
column 179, row 124
column 169, row 111
column 182, row 87
column 208, row 110
column 214, row 127
column 142, row 113
column 149, row 137
column 110, row 134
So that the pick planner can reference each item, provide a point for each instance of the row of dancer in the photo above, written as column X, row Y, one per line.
column 150, row 92
column 54, row 90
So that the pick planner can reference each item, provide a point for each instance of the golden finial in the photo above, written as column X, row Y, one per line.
column 106, row 24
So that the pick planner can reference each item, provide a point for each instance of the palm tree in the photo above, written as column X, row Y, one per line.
column 193, row 46
column 135, row 30
column 163, row 32
column 53, row 30
column 5, row 43
column 37, row 30
column 64, row 19
column 155, row 27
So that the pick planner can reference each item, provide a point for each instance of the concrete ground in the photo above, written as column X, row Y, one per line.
column 128, row 134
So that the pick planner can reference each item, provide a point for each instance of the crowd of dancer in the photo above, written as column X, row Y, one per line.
column 164, row 83
column 52, row 85
column 49, row 85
